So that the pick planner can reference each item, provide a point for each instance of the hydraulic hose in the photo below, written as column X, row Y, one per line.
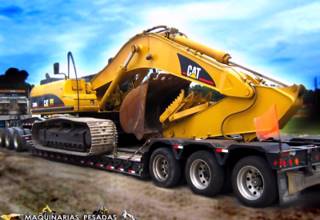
column 70, row 56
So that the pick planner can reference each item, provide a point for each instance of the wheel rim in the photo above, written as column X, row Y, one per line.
column 7, row 141
column 250, row 182
column 200, row 174
column 15, row 142
column 160, row 167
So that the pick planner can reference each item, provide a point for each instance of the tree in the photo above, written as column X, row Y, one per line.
column 14, row 78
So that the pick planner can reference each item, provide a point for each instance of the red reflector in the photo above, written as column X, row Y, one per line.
column 284, row 163
column 131, row 171
column 296, row 161
column 290, row 163
column 109, row 167
column 221, row 150
column 177, row 146
column 98, row 165
column 275, row 163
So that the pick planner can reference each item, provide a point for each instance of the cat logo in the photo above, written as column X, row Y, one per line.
column 193, row 71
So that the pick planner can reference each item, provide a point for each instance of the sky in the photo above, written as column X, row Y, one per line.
column 280, row 39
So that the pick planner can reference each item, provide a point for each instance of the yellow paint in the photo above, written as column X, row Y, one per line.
column 66, row 91
column 188, row 112
column 172, row 108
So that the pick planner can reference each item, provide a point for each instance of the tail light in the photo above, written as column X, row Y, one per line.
column 296, row 161
column 286, row 162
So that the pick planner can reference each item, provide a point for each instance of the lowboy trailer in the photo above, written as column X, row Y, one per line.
column 260, row 172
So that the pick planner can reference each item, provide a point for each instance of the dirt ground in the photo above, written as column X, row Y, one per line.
column 28, row 183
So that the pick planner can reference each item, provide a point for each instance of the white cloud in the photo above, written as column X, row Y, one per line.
column 74, row 39
column 188, row 17
column 298, row 20
column 195, row 17
column 205, row 11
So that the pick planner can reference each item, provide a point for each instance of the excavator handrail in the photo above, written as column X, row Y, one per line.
column 258, row 74
column 164, row 27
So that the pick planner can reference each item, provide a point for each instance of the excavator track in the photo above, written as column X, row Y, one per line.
column 75, row 136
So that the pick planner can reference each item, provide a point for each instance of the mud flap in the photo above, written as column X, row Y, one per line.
column 291, row 183
column 283, row 189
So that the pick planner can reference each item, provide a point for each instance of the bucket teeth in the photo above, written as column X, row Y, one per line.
column 172, row 107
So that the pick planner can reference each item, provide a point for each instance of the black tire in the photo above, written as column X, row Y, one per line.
column 169, row 165
column 2, row 132
column 263, row 183
column 203, row 174
column 28, row 145
column 8, row 138
column 18, row 141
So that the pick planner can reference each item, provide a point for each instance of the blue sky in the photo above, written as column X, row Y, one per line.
column 278, row 38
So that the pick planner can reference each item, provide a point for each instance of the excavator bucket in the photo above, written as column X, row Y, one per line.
column 141, row 108
column 132, row 111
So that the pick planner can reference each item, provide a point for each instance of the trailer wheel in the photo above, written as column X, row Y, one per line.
column 203, row 174
column 254, row 182
column 2, row 137
column 8, row 138
column 18, row 142
column 164, row 169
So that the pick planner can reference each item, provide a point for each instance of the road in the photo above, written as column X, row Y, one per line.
column 28, row 183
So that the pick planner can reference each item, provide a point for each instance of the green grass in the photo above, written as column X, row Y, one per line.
column 302, row 125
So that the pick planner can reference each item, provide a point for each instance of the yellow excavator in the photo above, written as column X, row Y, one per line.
column 164, row 84
column 170, row 99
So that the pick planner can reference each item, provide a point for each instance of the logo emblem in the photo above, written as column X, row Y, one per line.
column 193, row 70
